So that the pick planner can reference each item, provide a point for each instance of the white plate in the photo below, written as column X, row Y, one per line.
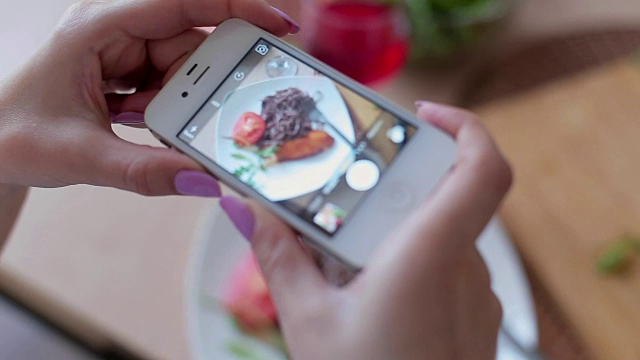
column 213, row 257
column 221, row 246
column 510, row 284
column 293, row 178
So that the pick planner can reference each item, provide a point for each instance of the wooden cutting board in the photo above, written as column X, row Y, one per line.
column 575, row 149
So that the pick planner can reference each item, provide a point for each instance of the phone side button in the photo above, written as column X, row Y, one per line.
column 398, row 196
column 162, row 141
column 165, row 143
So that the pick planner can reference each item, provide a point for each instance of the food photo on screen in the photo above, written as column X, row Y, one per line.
column 297, row 137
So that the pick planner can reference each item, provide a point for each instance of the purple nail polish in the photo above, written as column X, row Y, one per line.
column 240, row 214
column 421, row 103
column 294, row 27
column 128, row 118
column 196, row 183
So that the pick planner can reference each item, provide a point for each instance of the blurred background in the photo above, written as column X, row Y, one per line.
column 97, row 272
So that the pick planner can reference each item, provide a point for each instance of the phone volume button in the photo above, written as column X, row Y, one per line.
column 161, row 140
column 165, row 143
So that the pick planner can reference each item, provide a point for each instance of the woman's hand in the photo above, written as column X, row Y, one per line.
column 426, row 292
column 56, row 111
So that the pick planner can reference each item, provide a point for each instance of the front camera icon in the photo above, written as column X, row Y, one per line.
column 262, row 49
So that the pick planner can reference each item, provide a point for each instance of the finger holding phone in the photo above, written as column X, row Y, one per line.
column 426, row 292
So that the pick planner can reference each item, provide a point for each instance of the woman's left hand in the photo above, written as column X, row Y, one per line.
column 56, row 112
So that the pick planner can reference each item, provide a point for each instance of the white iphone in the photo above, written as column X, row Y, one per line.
column 339, row 163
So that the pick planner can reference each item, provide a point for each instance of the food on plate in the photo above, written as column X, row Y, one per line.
column 313, row 143
column 247, row 298
column 283, row 132
column 287, row 115
column 249, row 129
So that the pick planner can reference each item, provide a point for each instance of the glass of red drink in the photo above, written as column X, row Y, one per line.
column 366, row 40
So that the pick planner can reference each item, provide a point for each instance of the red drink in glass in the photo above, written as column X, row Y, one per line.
column 367, row 41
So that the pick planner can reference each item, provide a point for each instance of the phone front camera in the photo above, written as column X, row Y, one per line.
column 185, row 94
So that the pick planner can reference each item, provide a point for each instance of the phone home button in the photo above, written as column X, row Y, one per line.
column 398, row 196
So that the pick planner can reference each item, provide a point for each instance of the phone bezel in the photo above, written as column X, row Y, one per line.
column 376, row 215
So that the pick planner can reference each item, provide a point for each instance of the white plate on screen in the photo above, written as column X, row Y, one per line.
column 220, row 247
column 293, row 178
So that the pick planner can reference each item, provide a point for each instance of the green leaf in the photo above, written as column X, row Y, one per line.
column 268, row 152
column 234, row 322
column 474, row 6
column 240, row 157
column 618, row 256
column 242, row 351
column 442, row 27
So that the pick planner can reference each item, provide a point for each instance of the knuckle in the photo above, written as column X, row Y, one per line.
column 476, row 269
column 189, row 10
column 317, row 311
column 271, row 248
column 78, row 10
column 496, row 169
column 495, row 308
column 505, row 175
column 80, row 13
column 137, row 177
column 470, row 117
column 483, row 274
column 11, row 145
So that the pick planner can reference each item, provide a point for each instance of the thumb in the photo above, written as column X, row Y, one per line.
column 291, row 275
column 147, row 170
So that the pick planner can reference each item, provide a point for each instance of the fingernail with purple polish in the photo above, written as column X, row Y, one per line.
column 196, row 183
column 240, row 214
column 128, row 118
column 421, row 103
column 294, row 27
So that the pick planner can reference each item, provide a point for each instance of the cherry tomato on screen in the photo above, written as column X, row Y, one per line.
column 249, row 129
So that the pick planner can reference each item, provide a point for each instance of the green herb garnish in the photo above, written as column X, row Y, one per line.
column 618, row 256
column 242, row 351
column 637, row 57
column 268, row 152
column 250, row 169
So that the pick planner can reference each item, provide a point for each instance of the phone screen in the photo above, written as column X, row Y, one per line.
column 296, row 136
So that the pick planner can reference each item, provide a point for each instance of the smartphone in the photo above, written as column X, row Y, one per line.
column 336, row 161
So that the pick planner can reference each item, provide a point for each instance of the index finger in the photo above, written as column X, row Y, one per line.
column 171, row 17
column 159, row 19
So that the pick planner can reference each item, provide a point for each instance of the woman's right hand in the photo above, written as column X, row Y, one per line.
column 426, row 292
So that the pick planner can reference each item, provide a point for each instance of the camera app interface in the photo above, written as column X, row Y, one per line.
column 297, row 137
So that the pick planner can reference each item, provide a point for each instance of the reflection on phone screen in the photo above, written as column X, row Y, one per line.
column 296, row 136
